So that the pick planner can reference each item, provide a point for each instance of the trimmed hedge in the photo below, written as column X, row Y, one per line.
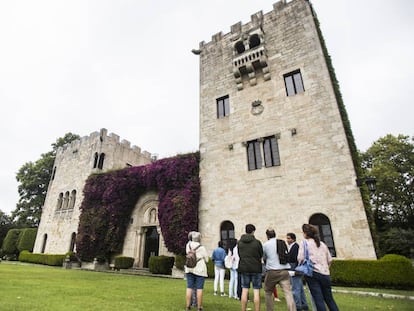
column 391, row 271
column 161, row 264
column 44, row 259
column 27, row 239
column 10, row 242
column 123, row 262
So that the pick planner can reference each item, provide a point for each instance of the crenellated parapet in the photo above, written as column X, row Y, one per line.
column 248, row 47
column 97, row 140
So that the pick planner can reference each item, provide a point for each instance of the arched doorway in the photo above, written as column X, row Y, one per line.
column 325, row 231
column 227, row 235
column 152, row 244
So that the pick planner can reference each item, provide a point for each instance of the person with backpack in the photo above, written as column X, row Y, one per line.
column 275, row 256
column 218, row 257
column 195, row 269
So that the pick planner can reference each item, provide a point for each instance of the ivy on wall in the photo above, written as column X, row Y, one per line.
column 110, row 198
column 348, row 130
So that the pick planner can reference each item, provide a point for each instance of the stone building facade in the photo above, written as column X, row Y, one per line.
column 272, row 142
column 273, row 148
column 98, row 152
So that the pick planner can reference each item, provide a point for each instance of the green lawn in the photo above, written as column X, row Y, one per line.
column 32, row 287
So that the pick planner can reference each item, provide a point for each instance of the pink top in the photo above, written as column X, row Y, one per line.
column 320, row 256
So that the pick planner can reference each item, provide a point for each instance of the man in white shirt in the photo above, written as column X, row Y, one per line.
column 276, row 273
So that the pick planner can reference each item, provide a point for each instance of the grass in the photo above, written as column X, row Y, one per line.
column 42, row 288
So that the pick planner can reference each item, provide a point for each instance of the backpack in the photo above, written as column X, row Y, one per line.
column 282, row 252
column 191, row 258
column 228, row 260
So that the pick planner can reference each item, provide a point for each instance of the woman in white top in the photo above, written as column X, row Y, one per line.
column 320, row 282
column 195, row 276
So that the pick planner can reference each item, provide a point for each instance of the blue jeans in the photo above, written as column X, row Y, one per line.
column 320, row 288
column 254, row 278
column 298, row 293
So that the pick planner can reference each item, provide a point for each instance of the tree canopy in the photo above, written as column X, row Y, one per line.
column 390, row 160
column 33, row 179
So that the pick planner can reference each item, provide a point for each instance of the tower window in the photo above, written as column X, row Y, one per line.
column 254, row 157
column 239, row 47
column 101, row 160
column 223, row 107
column 271, row 151
column 293, row 83
column 254, row 41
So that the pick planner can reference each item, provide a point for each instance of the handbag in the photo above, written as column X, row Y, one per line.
column 306, row 267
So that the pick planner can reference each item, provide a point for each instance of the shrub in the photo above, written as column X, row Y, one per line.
column 179, row 262
column 161, row 264
column 392, row 271
column 10, row 242
column 27, row 239
column 44, row 259
column 123, row 262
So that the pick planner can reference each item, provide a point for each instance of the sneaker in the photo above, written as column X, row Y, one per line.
column 223, row 294
column 277, row 299
column 215, row 293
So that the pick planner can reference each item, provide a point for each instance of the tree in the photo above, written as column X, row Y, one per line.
column 34, row 180
column 391, row 160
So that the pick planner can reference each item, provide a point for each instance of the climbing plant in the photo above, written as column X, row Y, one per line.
column 110, row 198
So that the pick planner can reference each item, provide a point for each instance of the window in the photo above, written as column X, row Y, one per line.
column 95, row 160
column 325, row 231
column 271, row 151
column 59, row 201
column 101, row 160
column 227, row 235
column 65, row 204
column 293, row 83
column 44, row 243
column 254, row 41
column 239, row 47
column 72, row 199
column 254, row 157
column 53, row 173
column 223, row 107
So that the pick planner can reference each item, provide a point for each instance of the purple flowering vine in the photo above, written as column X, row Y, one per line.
column 110, row 198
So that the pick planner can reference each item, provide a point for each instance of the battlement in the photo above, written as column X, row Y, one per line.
column 256, row 21
column 101, row 137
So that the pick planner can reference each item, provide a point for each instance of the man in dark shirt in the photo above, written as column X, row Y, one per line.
column 250, row 266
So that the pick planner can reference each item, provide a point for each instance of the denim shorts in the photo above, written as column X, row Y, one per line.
column 194, row 281
column 254, row 278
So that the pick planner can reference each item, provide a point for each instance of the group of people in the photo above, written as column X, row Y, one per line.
column 250, row 258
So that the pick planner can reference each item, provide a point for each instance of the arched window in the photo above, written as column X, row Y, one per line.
column 65, row 200
column 227, row 235
column 44, row 243
column 325, row 231
column 254, row 41
column 72, row 199
column 59, row 201
column 239, row 47
column 101, row 160
column 72, row 242
column 95, row 160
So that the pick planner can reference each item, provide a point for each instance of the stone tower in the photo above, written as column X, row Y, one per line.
column 272, row 140
column 95, row 153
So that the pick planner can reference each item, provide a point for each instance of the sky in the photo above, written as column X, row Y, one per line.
column 126, row 65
